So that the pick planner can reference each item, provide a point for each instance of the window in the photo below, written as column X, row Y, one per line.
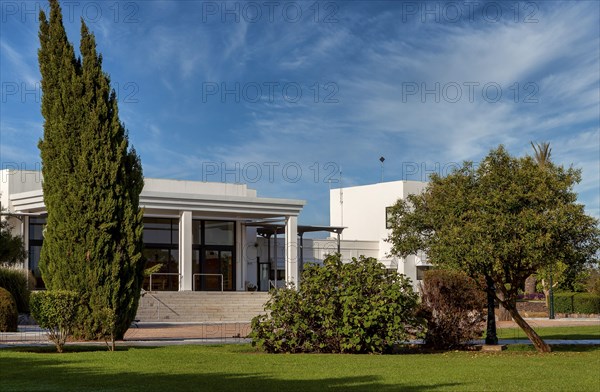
column 213, row 255
column 388, row 218
column 421, row 271
column 36, row 239
column 218, row 233
column 161, row 239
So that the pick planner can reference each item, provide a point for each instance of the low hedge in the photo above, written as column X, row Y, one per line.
column 15, row 281
column 584, row 303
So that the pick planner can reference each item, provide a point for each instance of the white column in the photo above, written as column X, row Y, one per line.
column 291, row 250
column 185, row 250
column 240, row 263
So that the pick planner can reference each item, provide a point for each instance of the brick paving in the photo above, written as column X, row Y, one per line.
column 163, row 331
column 159, row 331
column 545, row 322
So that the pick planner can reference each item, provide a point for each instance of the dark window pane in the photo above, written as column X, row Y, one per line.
column 219, row 233
column 36, row 232
column 157, row 236
column 165, row 279
column 159, row 231
column 227, row 269
column 421, row 271
column 197, row 232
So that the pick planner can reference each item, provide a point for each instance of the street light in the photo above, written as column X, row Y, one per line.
column 381, row 159
column 551, row 301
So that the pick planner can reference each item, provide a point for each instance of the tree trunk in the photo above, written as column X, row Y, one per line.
column 503, row 314
column 547, row 298
column 538, row 342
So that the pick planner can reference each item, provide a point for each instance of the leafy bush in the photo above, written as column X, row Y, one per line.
column 15, row 281
column 584, row 303
column 55, row 311
column 593, row 282
column 454, row 306
column 9, row 316
column 357, row 307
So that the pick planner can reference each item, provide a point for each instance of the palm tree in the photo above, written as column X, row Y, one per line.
column 542, row 153
column 542, row 157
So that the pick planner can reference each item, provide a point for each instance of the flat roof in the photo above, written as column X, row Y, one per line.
column 266, row 229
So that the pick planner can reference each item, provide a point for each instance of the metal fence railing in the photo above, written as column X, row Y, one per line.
column 151, row 288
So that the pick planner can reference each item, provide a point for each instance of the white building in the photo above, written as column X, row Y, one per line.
column 217, row 236
column 204, row 234
column 362, row 210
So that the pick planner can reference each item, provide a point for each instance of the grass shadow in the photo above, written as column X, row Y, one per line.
column 56, row 373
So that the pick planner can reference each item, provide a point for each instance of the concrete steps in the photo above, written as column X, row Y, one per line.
column 200, row 306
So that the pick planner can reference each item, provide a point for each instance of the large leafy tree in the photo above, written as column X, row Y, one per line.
column 92, row 182
column 506, row 219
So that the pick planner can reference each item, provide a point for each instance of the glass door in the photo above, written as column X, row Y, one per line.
column 263, row 276
column 215, row 266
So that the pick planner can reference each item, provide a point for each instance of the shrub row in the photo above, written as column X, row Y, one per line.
column 15, row 281
column 585, row 303
column 9, row 317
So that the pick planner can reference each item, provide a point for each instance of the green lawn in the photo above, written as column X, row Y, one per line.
column 240, row 368
column 569, row 333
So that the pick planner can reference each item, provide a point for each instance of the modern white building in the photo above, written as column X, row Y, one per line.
column 204, row 234
column 218, row 236
column 363, row 211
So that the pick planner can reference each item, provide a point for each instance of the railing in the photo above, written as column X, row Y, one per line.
column 276, row 284
column 155, row 300
column 194, row 280
column 164, row 273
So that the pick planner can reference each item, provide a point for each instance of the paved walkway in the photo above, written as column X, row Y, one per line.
column 546, row 322
column 160, row 334
column 160, row 331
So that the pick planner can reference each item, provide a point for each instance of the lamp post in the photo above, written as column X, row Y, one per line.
column 381, row 159
column 491, row 337
column 551, row 301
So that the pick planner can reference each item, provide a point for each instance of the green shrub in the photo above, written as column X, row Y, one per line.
column 584, row 303
column 454, row 306
column 55, row 311
column 593, row 282
column 9, row 316
column 356, row 307
column 15, row 281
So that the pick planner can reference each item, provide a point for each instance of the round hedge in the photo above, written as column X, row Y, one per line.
column 9, row 316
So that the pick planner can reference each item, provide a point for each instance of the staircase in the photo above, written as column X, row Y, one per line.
column 200, row 306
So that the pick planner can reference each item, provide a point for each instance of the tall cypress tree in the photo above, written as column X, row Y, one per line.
column 92, row 182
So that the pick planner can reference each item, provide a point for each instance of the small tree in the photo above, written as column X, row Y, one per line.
column 454, row 306
column 505, row 220
column 357, row 307
column 56, row 311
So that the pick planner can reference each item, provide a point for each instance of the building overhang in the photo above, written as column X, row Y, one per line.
column 229, row 206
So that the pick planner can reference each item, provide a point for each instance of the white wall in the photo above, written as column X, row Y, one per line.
column 362, row 212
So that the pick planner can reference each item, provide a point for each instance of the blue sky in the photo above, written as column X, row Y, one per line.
column 285, row 95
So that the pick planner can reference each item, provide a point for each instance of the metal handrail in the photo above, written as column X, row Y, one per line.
column 194, row 280
column 164, row 273
column 276, row 284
